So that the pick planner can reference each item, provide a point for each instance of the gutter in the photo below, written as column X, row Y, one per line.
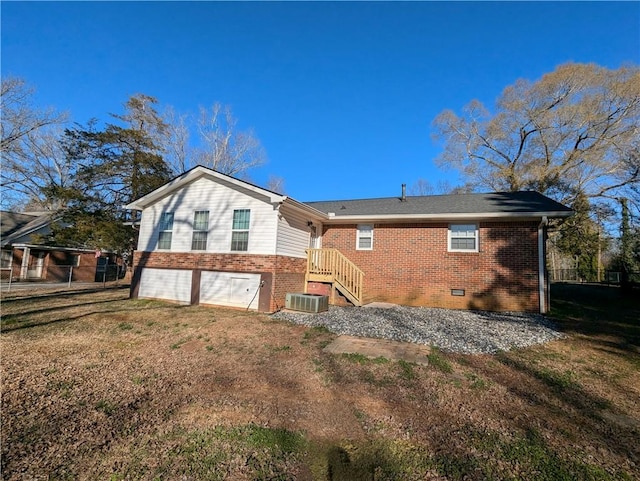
column 41, row 247
column 541, row 264
column 304, row 208
column 332, row 218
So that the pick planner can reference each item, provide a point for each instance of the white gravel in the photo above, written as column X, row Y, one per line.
column 468, row 332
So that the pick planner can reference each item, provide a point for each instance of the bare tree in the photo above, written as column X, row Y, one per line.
column 218, row 144
column 572, row 132
column 421, row 187
column 32, row 161
column 223, row 147
column 424, row 187
column 177, row 151
column 276, row 184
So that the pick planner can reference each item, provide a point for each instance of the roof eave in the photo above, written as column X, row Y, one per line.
column 28, row 230
column 305, row 208
column 22, row 245
column 192, row 175
column 341, row 219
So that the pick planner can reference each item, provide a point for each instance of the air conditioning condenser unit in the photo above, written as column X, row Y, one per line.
column 307, row 302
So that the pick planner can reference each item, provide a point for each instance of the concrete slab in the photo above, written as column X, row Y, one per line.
column 373, row 348
column 380, row 305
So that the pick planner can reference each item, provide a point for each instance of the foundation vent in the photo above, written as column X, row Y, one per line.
column 307, row 302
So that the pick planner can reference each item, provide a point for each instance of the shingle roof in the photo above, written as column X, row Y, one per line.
column 14, row 225
column 509, row 203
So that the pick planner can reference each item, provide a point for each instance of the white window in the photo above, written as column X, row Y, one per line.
column 364, row 237
column 463, row 238
column 200, row 229
column 75, row 260
column 166, row 230
column 240, row 230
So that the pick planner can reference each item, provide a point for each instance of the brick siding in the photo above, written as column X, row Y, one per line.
column 289, row 277
column 205, row 261
column 56, row 265
column 59, row 262
column 410, row 264
column 324, row 289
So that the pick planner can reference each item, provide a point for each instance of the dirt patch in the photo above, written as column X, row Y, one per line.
column 97, row 386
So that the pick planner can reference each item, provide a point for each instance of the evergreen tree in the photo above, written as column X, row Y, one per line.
column 115, row 165
column 578, row 238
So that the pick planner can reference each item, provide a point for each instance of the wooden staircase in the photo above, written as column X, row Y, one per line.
column 330, row 265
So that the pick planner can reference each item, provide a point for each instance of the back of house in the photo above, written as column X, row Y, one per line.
column 208, row 238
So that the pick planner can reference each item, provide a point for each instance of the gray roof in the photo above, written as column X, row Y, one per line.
column 12, row 221
column 18, row 226
column 508, row 203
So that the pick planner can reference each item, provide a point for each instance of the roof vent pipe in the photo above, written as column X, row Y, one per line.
column 404, row 193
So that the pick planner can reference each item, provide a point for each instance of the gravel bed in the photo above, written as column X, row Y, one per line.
column 467, row 332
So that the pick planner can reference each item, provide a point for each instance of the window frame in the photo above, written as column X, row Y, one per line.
column 359, row 236
column 236, row 231
column 165, row 228
column 199, row 230
column 451, row 237
column 6, row 258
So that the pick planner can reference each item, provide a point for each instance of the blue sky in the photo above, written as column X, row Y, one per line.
column 341, row 95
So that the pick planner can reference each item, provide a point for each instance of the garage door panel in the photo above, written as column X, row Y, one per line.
column 170, row 284
column 213, row 288
column 230, row 289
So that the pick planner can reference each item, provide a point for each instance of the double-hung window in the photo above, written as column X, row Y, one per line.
column 200, row 230
column 240, row 230
column 364, row 237
column 463, row 238
column 165, row 231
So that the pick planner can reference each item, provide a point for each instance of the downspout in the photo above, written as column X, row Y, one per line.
column 274, row 273
column 541, row 265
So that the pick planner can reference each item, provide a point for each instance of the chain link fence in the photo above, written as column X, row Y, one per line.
column 100, row 274
column 573, row 275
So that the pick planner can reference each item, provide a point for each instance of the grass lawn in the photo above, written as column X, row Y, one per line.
column 97, row 386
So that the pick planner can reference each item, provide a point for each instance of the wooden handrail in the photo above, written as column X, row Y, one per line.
column 342, row 272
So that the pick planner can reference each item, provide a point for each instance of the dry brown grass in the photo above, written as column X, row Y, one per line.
column 97, row 386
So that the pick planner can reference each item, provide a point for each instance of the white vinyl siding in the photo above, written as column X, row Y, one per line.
column 294, row 233
column 364, row 237
column 220, row 200
column 170, row 284
column 235, row 289
column 463, row 238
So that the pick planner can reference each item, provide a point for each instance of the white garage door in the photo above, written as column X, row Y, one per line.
column 174, row 285
column 234, row 289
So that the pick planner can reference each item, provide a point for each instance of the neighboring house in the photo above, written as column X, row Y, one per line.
column 26, row 257
column 207, row 238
